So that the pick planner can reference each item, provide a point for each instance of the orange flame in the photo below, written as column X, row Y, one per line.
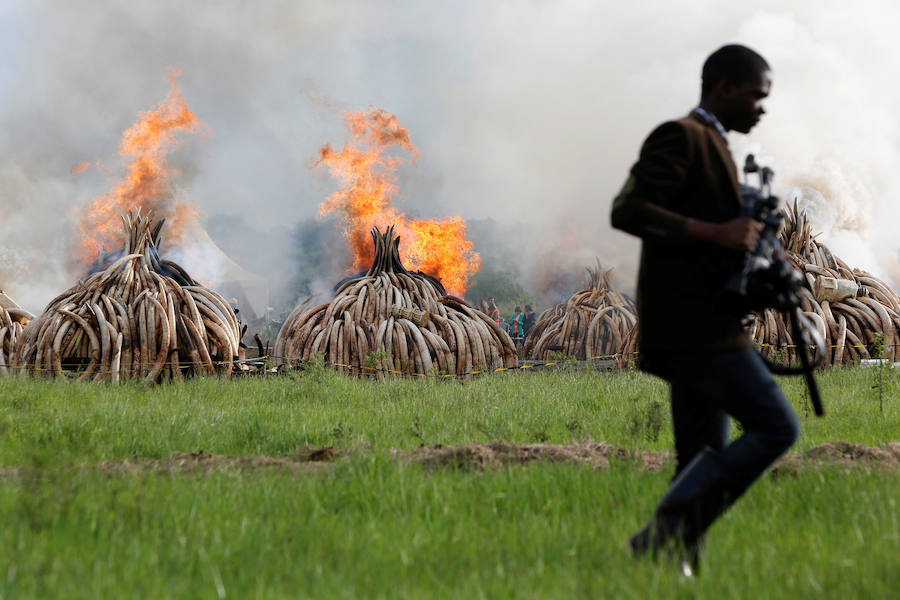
column 146, row 184
column 368, row 177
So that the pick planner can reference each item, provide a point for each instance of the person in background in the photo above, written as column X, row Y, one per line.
column 494, row 312
column 517, row 324
column 517, row 329
column 528, row 321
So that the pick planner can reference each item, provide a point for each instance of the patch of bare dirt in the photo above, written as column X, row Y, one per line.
column 182, row 462
column 497, row 454
column 486, row 456
column 844, row 454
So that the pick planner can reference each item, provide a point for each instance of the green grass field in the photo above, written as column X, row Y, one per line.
column 94, row 505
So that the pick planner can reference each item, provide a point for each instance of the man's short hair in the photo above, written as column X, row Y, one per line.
column 735, row 63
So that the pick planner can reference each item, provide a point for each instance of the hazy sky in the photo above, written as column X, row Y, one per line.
column 526, row 111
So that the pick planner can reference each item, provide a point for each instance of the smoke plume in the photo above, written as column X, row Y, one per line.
column 527, row 113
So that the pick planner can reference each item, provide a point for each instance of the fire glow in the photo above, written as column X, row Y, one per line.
column 367, row 174
column 147, row 182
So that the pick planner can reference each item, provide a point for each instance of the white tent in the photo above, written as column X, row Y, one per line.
column 208, row 264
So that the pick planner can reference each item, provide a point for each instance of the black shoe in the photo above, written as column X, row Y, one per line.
column 646, row 541
column 685, row 557
column 694, row 500
column 659, row 537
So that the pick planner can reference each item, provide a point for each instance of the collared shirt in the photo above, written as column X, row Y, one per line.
column 712, row 120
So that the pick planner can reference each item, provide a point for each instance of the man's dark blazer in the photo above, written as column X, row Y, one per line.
column 685, row 170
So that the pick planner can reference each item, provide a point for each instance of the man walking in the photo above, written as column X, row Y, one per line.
column 682, row 198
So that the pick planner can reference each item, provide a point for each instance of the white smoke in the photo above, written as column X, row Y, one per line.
column 524, row 111
column 832, row 133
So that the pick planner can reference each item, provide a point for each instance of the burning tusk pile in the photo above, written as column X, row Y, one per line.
column 593, row 322
column 391, row 319
column 13, row 319
column 141, row 316
column 849, row 306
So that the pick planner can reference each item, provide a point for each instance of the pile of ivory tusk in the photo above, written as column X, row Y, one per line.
column 139, row 317
column 850, row 307
column 13, row 319
column 594, row 322
column 394, row 320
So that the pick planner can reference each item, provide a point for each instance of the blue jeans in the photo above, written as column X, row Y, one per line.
column 707, row 388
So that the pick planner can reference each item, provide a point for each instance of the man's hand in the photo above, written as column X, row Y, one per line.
column 737, row 234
